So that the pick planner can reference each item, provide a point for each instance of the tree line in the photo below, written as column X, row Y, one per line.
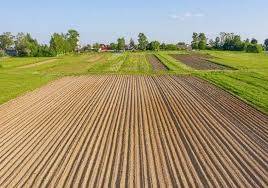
column 142, row 45
column 227, row 41
column 63, row 43
column 26, row 46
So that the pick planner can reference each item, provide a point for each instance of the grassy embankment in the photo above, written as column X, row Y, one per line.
column 249, row 81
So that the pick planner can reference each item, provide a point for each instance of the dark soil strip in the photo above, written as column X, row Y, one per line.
column 156, row 63
column 199, row 62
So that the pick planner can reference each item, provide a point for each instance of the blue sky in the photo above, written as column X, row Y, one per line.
column 106, row 20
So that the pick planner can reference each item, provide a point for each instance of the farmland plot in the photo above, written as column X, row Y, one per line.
column 156, row 63
column 132, row 131
column 198, row 62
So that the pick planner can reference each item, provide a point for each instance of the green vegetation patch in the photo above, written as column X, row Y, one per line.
column 136, row 63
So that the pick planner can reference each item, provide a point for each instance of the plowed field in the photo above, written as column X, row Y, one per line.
column 198, row 62
column 132, row 131
column 156, row 63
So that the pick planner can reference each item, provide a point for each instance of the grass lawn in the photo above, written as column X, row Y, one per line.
column 136, row 63
column 249, row 81
column 173, row 65
column 15, row 80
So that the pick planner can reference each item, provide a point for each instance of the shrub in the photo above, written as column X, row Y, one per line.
column 254, row 48
column 171, row 47
column 2, row 53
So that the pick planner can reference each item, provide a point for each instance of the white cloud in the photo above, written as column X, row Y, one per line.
column 186, row 16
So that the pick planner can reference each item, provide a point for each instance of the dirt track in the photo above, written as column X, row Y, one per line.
column 39, row 63
column 198, row 62
column 130, row 130
column 156, row 63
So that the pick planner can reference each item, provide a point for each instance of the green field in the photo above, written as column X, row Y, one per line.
column 249, row 81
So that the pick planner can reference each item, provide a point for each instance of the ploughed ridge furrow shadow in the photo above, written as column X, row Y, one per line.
column 132, row 131
column 199, row 62
column 156, row 63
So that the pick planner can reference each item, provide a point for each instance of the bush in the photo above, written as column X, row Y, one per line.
column 171, row 47
column 2, row 53
column 44, row 51
column 254, row 48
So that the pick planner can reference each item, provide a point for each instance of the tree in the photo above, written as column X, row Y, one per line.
column 266, row 44
column 254, row 48
column 113, row 46
column 26, row 45
column 171, row 47
column 96, row 46
column 182, row 46
column 132, row 45
column 154, row 45
column 73, row 40
column 238, row 45
column 6, row 40
column 86, row 48
column 217, row 44
column 163, row 46
column 202, row 45
column 246, row 44
column 121, row 43
column 21, row 45
column 254, row 41
column 232, row 42
column 211, row 43
column 195, row 41
column 44, row 51
column 58, row 44
column 143, row 42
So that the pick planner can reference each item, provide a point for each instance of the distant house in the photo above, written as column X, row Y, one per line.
column 11, row 52
column 104, row 48
column 183, row 46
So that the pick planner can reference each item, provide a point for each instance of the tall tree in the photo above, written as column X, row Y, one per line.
column 26, row 45
column 113, row 46
column 202, row 41
column 217, row 43
column 254, row 41
column 163, row 46
column 211, row 43
column 73, row 40
column 143, row 41
column 266, row 44
column 96, row 46
column 58, row 44
column 254, row 48
column 195, row 41
column 154, row 45
column 121, row 43
column 6, row 40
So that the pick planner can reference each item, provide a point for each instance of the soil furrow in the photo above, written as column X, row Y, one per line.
column 132, row 131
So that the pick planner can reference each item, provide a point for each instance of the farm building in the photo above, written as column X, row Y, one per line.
column 104, row 48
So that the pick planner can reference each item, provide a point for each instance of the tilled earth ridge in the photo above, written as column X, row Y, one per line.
column 156, row 63
column 199, row 62
column 135, row 131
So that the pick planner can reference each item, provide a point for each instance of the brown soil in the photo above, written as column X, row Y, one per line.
column 39, row 63
column 156, row 63
column 199, row 62
column 132, row 131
